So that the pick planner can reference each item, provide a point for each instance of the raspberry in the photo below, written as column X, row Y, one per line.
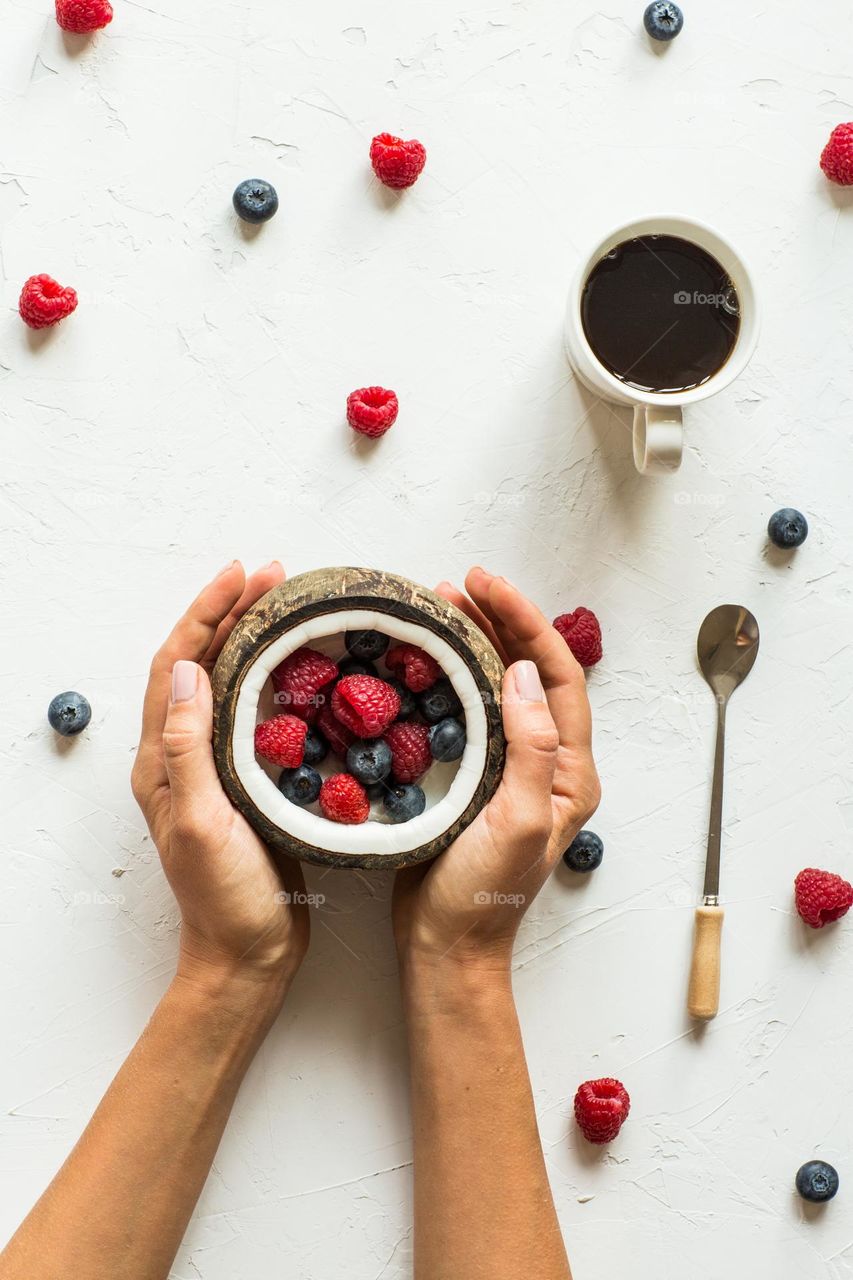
column 365, row 704
column 822, row 897
column 338, row 736
column 416, row 669
column 82, row 16
column 298, row 680
column 372, row 411
column 601, row 1108
column 396, row 163
column 43, row 302
column 282, row 741
column 343, row 799
column 582, row 634
column 409, row 743
column 837, row 158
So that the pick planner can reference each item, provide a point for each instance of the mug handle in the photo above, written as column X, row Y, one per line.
column 658, row 438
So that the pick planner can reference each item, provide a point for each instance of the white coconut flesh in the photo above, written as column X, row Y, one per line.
column 449, row 788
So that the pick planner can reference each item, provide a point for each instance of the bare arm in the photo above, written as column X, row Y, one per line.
column 121, row 1203
column 483, row 1205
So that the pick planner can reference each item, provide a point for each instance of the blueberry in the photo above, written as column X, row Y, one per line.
column 403, row 803
column 788, row 528
column 316, row 747
column 369, row 762
column 447, row 740
column 69, row 713
column 663, row 20
column 439, row 702
column 301, row 786
column 376, row 790
column 255, row 200
column 408, row 701
column 585, row 852
column 366, row 645
column 354, row 667
column 817, row 1181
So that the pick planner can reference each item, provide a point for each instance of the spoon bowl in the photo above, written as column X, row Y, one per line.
column 727, row 647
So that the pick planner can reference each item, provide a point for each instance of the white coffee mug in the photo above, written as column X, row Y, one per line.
column 658, row 420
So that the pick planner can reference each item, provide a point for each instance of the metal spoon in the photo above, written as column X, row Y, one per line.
column 727, row 648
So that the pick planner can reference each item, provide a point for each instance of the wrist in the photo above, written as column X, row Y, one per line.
column 240, row 993
column 441, row 985
column 217, row 1022
column 238, row 980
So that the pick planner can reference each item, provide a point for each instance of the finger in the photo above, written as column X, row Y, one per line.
column 482, row 580
column 522, row 804
column 257, row 585
column 187, row 751
column 190, row 639
column 527, row 633
column 456, row 597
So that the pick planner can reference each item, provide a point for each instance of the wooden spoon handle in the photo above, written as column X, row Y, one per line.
column 703, row 997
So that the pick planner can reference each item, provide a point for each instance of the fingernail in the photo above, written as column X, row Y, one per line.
column 528, row 686
column 478, row 568
column 274, row 564
column 507, row 582
column 184, row 681
column 224, row 570
column 447, row 584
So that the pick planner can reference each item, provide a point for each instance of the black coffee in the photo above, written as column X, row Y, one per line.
column 660, row 313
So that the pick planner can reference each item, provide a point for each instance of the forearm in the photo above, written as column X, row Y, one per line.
column 483, row 1204
column 120, row 1204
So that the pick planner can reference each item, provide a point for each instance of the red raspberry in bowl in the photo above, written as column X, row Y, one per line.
column 416, row 669
column 411, row 756
column 343, row 799
column 372, row 411
column 397, row 163
column 822, row 897
column 601, row 1108
column 282, row 741
column 43, row 302
column 83, row 16
column 365, row 704
column 582, row 633
column 837, row 157
column 300, row 678
column 338, row 736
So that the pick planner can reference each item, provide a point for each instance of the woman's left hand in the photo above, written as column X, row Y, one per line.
column 239, row 917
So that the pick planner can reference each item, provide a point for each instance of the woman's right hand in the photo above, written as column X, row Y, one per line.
column 466, row 906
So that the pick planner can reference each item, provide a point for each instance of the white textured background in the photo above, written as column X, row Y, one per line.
column 191, row 411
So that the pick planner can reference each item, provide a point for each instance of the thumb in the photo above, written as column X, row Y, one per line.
column 531, row 757
column 187, row 736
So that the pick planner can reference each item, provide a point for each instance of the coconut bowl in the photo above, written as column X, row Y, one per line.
column 316, row 609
